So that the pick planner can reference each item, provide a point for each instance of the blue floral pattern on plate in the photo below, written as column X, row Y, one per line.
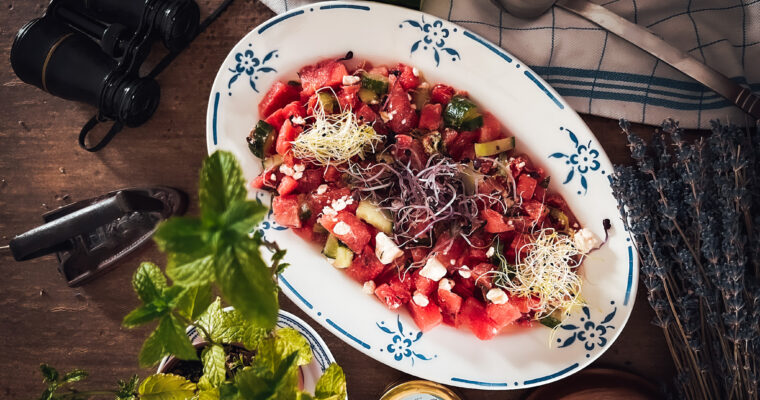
column 248, row 64
column 434, row 37
column 588, row 332
column 582, row 160
column 402, row 342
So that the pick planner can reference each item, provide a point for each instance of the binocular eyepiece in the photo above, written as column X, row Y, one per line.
column 91, row 51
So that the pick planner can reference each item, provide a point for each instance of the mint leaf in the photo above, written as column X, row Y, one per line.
column 48, row 393
column 246, row 282
column 168, row 338
column 214, row 364
column 207, row 394
column 288, row 341
column 331, row 384
column 194, row 301
column 128, row 389
column 166, row 387
column 142, row 315
column 49, row 374
column 149, row 282
column 192, row 269
column 180, row 235
column 221, row 184
column 74, row 376
column 304, row 396
column 269, row 378
column 230, row 326
column 243, row 216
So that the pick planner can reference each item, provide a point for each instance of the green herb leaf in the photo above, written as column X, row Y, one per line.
column 194, row 301
column 143, row 315
column 168, row 338
column 230, row 326
column 221, row 184
column 269, row 378
column 166, row 387
column 149, row 282
column 48, row 393
column 180, row 235
column 214, row 369
column 243, row 216
column 246, row 282
column 128, row 389
column 207, row 394
column 49, row 374
column 192, row 269
column 74, row 376
column 289, row 340
column 331, row 384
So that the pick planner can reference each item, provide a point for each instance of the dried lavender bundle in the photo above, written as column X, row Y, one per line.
column 694, row 212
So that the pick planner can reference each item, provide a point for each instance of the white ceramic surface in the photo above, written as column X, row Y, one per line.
column 547, row 130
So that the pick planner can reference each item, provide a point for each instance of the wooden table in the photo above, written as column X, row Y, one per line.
column 41, row 168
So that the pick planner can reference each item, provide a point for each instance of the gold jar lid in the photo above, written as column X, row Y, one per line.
column 419, row 390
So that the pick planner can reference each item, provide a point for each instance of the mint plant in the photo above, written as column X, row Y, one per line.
column 218, row 250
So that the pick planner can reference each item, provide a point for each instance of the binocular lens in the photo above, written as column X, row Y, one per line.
column 53, row 57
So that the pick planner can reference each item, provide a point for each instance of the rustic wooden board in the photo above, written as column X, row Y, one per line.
column 41, row 168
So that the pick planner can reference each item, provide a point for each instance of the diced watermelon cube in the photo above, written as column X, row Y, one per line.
column 430, row 116
column 317, row 202
column 305, row 232
column 258, row 182
column 441, row 94
column 285, row 210
column 503, row 314
column 427, row 317
column 481, row 274
column 491, row 129
column 407, row 78
column 495, row 222
column 276, row 119
column 536, row 210
column 277, row 97
column 332, row 174
column 288, row 133
column 526, row 186
column 392, row 299
column 293, row 109
column 348, row 98
column 464, row 287
column 519, row 245
column 323, row 74
column 404, row 117
column 473, row 316
column 287, row 185
column 424, row 285
column 415, row 154
column 365, row 266
column 366, row 114
column 447, row 248
column 310, row 180
column 450, row 304
column 352, row 231
column 381, row 70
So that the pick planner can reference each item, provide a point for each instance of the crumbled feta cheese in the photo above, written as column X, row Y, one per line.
column 420, row 299
column 415, row 71
column 452, row 261
column 322, row 189
column 585, row 240
column 273, row 177
column 327, row 210
column 464, row 272
column 521, row 164
column 433, row 269
column 497, row 296
column 385, row 249
column 403, row 121
column 341, row 203
column 445, row 284
column 298, row 175
column 369, row 287
column 374, row 101
column 385, row 116
column 286, row 170
column 423, row 85
column 490, row 252
column 341, row 228
column 299, row 167
column 297, row 120
column 414, row 106
column 350, row 80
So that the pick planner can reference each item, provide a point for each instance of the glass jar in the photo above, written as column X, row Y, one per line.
column 419, row 390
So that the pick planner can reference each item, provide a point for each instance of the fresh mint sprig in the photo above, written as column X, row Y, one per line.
column 216, row 247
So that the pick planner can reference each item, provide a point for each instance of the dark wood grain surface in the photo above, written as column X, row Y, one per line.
column 41, row 168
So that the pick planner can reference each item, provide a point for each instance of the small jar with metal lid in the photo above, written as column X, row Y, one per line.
column 419, row 390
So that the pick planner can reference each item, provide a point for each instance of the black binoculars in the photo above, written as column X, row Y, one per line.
column 91, row 51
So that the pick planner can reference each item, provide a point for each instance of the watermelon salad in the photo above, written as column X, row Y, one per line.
column 420, row 195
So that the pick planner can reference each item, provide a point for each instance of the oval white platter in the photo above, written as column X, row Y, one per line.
column 547, row 129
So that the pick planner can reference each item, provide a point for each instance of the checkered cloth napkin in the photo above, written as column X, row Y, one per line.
column 601, row 74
